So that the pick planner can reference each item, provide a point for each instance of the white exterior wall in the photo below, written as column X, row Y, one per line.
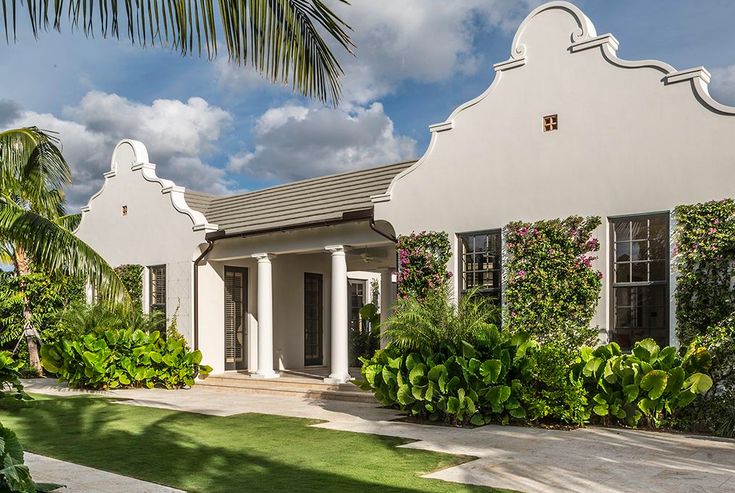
column 159, row 228
column 633, row 137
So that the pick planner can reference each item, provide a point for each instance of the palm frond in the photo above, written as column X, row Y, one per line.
column 57, row 249
column 434, row 321
column 281, row 39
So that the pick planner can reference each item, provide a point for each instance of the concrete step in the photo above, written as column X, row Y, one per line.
column 295, row 387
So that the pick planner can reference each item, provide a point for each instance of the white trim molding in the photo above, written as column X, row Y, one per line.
column 583, row 39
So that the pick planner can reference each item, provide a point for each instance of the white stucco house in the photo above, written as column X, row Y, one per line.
column 262, row 279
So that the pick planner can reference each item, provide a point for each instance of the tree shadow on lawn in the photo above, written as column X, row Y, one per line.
column 245, row 452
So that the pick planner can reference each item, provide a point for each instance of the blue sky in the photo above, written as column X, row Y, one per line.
column 221, row 129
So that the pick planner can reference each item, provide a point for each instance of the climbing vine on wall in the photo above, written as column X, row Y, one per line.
column 705, row 262
column 552, row 289
column 422, row 262
column 131, row 276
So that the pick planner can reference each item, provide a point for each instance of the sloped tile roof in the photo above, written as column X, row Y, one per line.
column 303, row 202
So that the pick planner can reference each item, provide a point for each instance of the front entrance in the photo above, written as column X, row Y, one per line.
column 236, row 309
column 313, row 319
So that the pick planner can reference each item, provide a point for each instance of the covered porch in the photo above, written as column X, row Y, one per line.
column 286, row 301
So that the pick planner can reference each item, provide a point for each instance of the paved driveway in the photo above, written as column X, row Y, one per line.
column 592, row 459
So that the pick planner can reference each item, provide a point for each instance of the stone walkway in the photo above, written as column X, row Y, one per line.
column 82, row 479
column 531, row 460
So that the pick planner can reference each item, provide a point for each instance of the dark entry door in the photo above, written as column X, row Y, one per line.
column 313, row 319
column 236, row 308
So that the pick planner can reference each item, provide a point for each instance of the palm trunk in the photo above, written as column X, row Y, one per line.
column 22, row 265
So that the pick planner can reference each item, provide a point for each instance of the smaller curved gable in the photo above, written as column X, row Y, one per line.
column 131, row 156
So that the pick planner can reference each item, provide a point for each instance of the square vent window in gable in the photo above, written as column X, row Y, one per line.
column 551, row 122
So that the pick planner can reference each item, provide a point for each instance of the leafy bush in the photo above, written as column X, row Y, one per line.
column 10, row 385
column 705, row 263
column 457, row 384
column 433, row 322
column 131, row 276
column 422, row 263
column 81, row 318
column 650, row 383
column 552, row 290
column 551, row 392
column 123, row 358
column 48, row 296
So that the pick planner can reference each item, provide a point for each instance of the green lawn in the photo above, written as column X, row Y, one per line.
column 198, row 453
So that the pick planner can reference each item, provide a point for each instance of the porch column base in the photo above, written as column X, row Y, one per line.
column 263, row 376
column 334, row 380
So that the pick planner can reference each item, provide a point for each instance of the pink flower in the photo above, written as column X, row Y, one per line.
column 712, row 231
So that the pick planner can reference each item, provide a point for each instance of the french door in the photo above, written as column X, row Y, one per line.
column 236, row 306
column 313, row 319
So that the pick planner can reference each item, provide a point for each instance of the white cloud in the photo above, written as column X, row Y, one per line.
column 177, row 134
column 420, row 40
column 294, row 142
column 397, row 41
column 722, row 86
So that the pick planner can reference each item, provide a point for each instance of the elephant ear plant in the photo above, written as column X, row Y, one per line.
column 123, row 358
column 462, row 384
column 650, row 383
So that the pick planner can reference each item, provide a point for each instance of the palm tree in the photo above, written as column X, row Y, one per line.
column 280, row 38
column 33, row 227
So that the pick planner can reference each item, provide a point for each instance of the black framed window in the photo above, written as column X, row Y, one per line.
column 157, row 291
column 481, row 262
column 640, row 279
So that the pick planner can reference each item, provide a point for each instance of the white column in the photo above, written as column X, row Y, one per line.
column 265, row 317
column 386, row 299
column 340, row 370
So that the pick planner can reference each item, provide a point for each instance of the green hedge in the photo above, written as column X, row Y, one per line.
column 123, row 358
column 552, row 290
column 467, row 384
column 422, row 262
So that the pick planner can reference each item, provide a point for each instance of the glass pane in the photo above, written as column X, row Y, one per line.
column 467, row 244
column 622, row 318
column 658, row 226
column 496, row 278
column 640, row 272
column 622, row 272
column 622, row 297
column 639, row 250
column 622, row 230
column 655, row 295
column 657, row 249
column 622, row 251
column 480, row 243
column 639, row 228
column 658, row 270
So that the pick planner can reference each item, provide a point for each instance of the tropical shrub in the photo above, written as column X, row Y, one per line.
column 551, row 392
column 705, row 264
column 48, row 297
column 650, row 383
column 433, row 322
column 456, row 384
column 131, row 276
column 705, row 306
column 552, row 290
column 82, row 318
column 422, row 263
column 10, row 384
column 112, row 359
